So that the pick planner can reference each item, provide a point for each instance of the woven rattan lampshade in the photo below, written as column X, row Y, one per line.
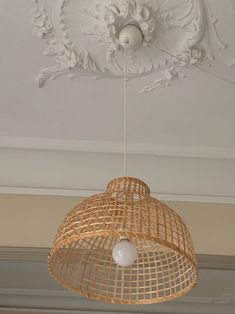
column 81, row 257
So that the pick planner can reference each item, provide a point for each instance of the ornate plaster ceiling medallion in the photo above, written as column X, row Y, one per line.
column 84, row 38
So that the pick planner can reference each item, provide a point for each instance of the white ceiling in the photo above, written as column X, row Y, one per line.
column 196, row 111
column 181, row 138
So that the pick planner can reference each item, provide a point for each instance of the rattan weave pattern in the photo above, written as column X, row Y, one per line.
column 81, row 256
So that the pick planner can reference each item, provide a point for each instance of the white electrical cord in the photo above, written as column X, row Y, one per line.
column 125, row 113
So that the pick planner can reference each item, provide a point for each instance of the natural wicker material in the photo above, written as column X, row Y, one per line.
column 81, row 257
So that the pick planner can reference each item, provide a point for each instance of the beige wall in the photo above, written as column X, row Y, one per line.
column 31, row 221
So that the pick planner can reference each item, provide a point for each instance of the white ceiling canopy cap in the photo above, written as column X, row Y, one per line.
column 130, row 37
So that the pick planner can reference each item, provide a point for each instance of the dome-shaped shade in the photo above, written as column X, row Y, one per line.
column 81, row 256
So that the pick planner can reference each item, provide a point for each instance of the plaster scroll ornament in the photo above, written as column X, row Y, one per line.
column 83, row 37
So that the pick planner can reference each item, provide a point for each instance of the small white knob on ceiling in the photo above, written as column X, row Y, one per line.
column 130, row 37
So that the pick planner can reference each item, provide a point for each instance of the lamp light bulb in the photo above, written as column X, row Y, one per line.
column 124, row 253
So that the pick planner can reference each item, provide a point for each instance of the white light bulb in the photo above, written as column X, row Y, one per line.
column 124, row 253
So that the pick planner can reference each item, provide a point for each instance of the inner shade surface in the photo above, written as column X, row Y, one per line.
column 81, row 256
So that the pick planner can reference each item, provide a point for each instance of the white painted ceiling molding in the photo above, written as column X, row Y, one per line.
column 56, row 300
column 27, row 285
column 83, row 36
column 38, row 254
column 79, row 170
column 117, row 147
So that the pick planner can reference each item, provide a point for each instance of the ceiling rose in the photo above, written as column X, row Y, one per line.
column 84, row 38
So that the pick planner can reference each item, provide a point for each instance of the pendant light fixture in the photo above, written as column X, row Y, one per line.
column 124, row 246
